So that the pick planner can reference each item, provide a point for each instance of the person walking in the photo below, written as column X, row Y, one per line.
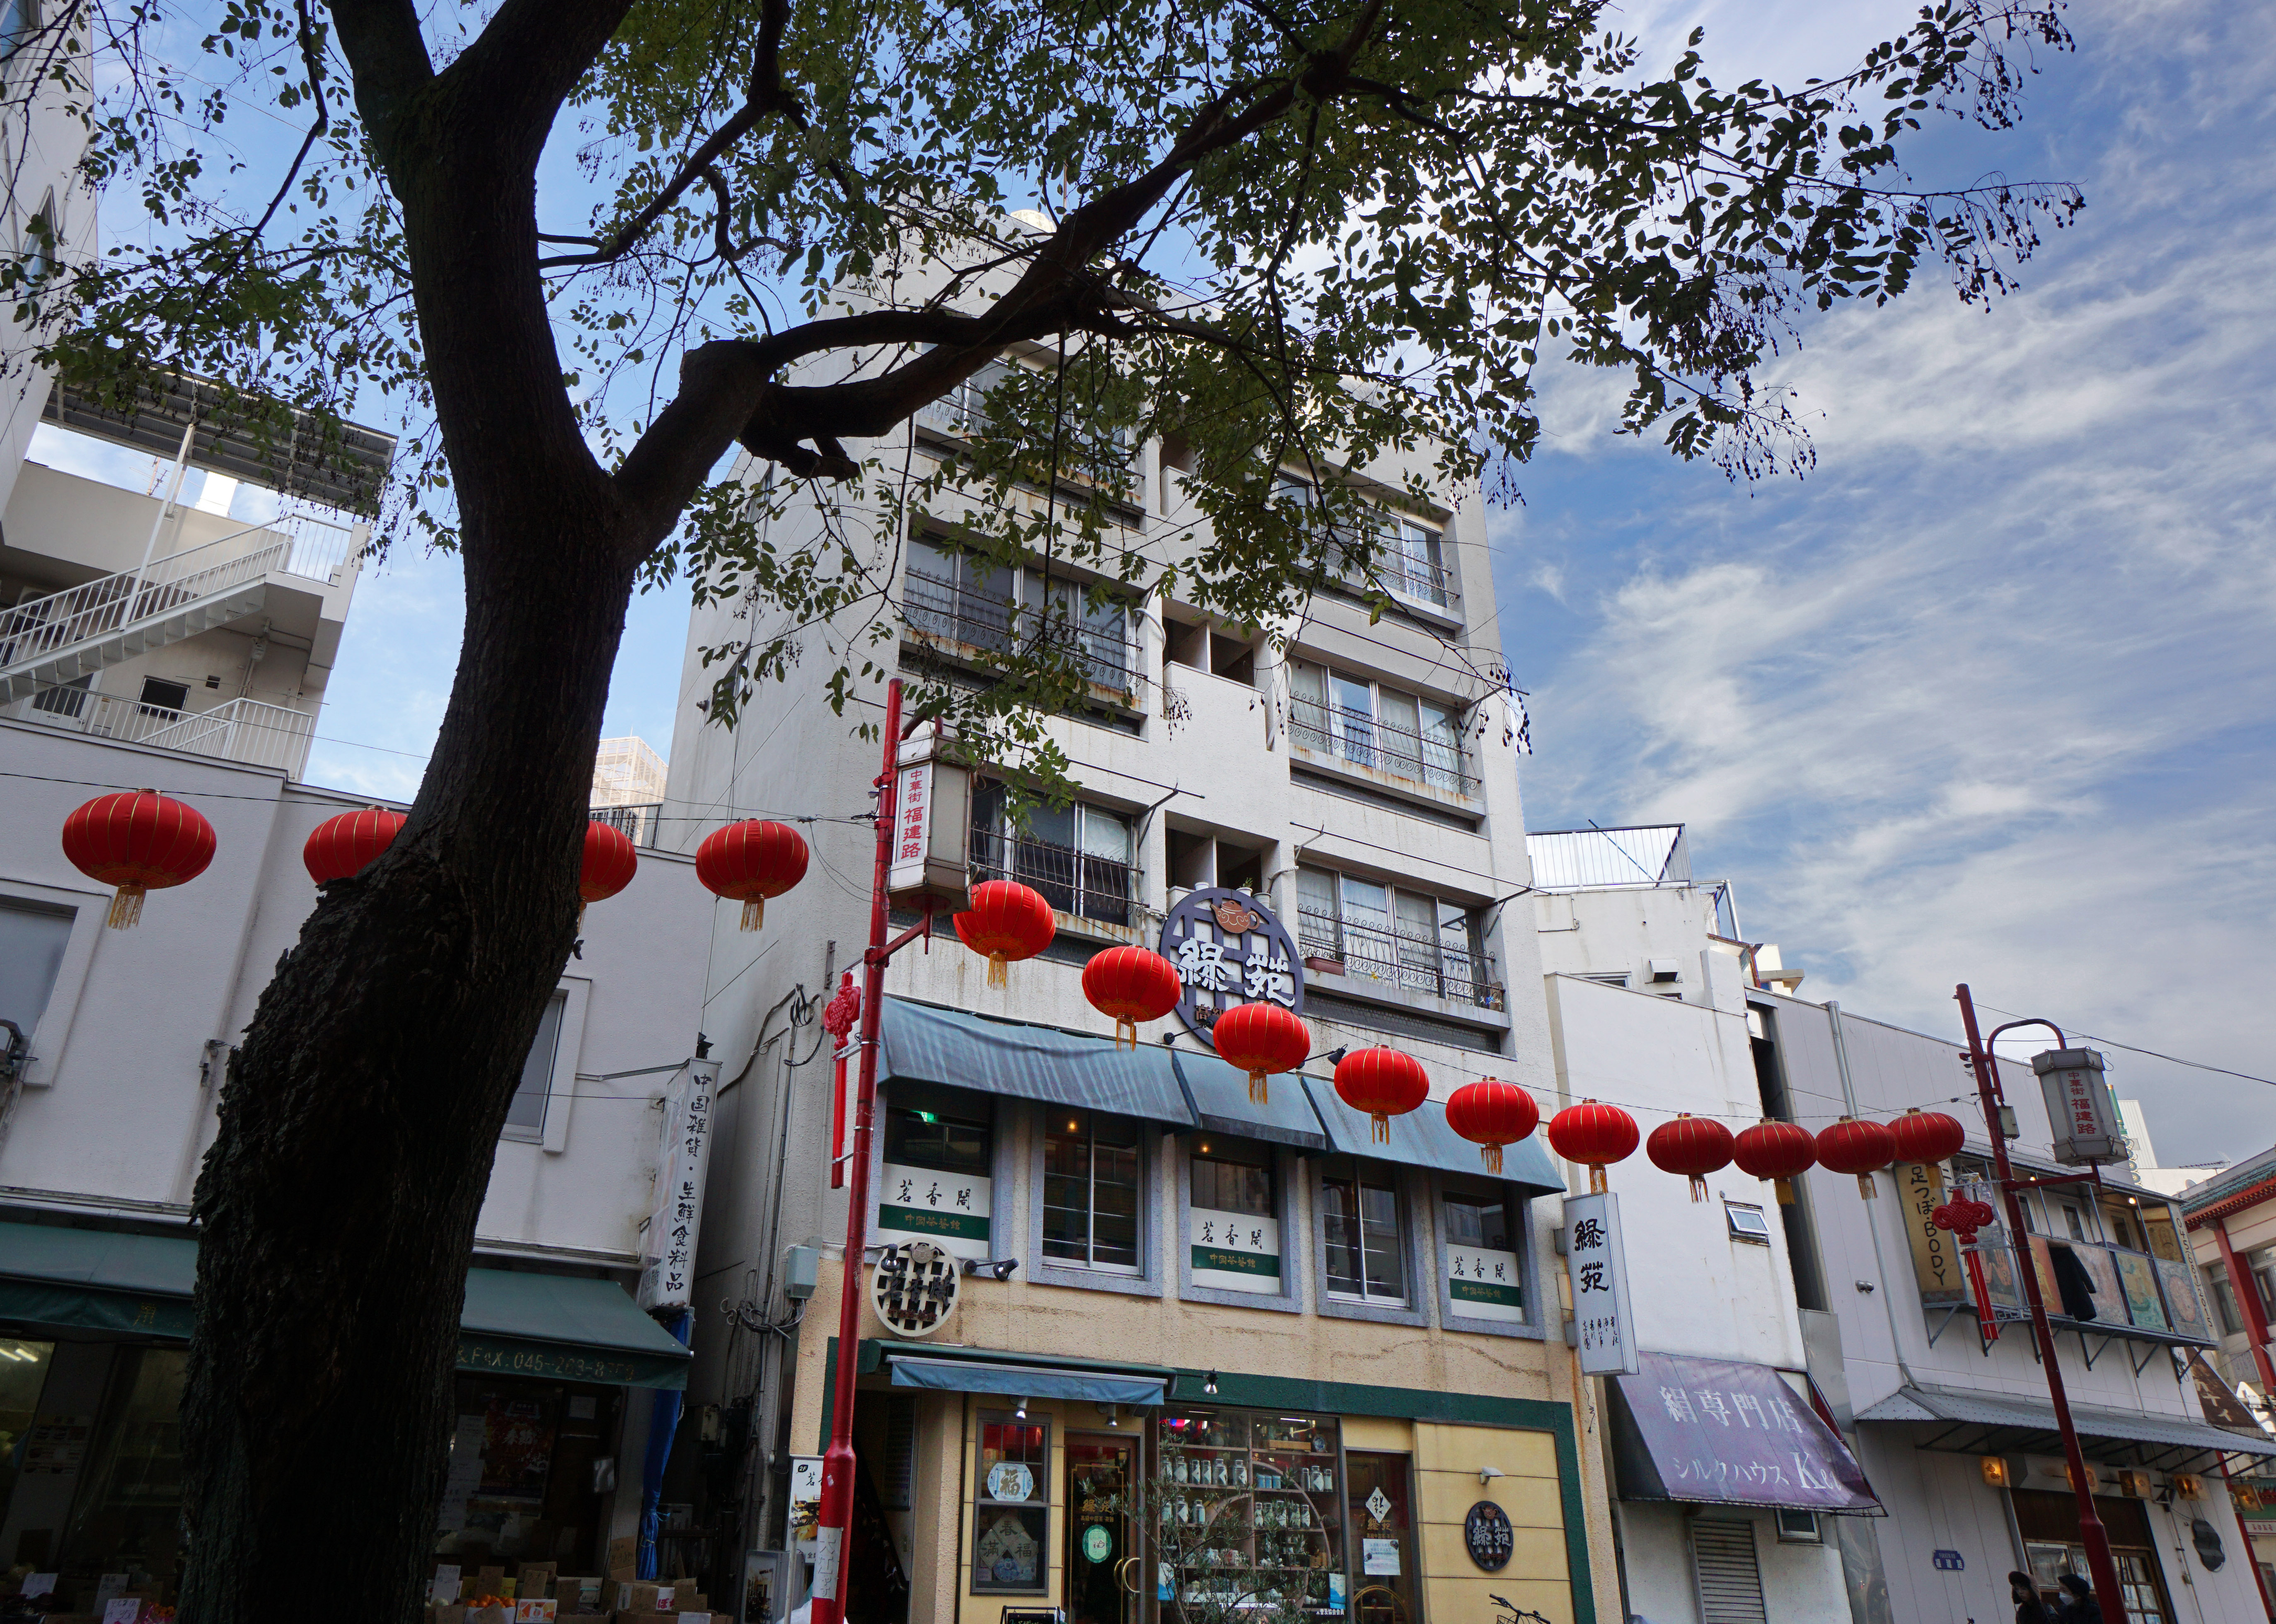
column 2025, row 1594
column 2079, row 1606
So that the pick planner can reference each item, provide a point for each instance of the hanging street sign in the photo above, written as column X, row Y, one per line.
column 2081, row 1109
column 1229, row 949
column 682, row 1157
column 1604, row 1328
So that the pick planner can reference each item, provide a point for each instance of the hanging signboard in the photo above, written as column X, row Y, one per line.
column 931, row 813
column 684, row 1153
column 1229, row 949
column 1936, row 1261
column 1603, row 1326
column 2081, row 1111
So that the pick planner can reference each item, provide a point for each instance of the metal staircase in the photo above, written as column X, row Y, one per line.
column 52, row 641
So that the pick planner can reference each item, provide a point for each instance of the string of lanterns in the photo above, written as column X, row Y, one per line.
column 140, row 841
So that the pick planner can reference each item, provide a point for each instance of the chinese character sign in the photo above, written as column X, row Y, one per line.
column 1603, row 1325
column 912, row 828
column 2081, row 1113
column 1717, row 1431
column 1229, row 949
column 950, row 1210
column 683, row 1155
column 1235, row 1251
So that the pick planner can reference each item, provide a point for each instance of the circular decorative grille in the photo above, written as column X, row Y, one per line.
column 914, row 1287
column 1486, row 1531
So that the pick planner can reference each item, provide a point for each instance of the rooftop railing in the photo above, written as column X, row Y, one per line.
column 1438, row 761
column 638, row 822
column 250, row 731
column 1596, row 858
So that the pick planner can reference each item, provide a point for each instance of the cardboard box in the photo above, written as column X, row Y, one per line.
column 579, row 1594
column 625, row 1553
column 489, row 1615
column 643, row 1596
column 535, row 1579
column 535, row 1610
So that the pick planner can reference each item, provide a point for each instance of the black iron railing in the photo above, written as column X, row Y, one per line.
column 1071, row 882
column 637, row 824
column 991, row 624
column 1435, row 760
column 1382, row 952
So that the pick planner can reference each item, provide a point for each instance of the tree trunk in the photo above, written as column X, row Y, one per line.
column 358, row 1125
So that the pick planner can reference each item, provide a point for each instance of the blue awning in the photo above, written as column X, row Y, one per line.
column 1219, row 1094
column 1024, row 1381
column 922, row 1043
column 1421, row 1139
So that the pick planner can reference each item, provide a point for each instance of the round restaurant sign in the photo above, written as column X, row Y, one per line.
column 1486, row 1532
column 1229, row 949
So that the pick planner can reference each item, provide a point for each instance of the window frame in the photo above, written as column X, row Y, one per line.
column 1282, row 1161
column 1478, row 981
column 1518, row 1212
column 1042, row 1270
column 561, row 1085
column 87, row 908
column 1421, row 1286
column 1006, row 831
column 1334, row 738
column 1003, row 1129
column 980, row 1501
column 1023, row 577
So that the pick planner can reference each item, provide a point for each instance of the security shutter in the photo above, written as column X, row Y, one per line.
column 1730, row 1583
column 898, row 1487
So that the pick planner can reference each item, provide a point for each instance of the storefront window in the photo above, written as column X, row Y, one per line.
column 1360, row 1236
column 1382, row 1525
column 1091, row 1190
column 23, row 1371
column 1012, row 1518
column 1247, row 1505
column 127, row 1516
column 521, row 1487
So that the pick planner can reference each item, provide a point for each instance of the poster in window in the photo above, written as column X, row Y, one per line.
column 2140, row 1281
column 2181, row 1300
column 516, row 1448
column 1484, row 1284
column 1007, row 1552
column 948, row 1209
column 1235, row 1251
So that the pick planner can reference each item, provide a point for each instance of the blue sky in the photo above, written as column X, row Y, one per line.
column 1985, row 698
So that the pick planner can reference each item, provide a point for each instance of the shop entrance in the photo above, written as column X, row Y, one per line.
column 2050, row 1528
column 1382, row 1525
column 1102, row 1559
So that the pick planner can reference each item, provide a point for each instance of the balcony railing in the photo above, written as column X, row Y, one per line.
column 637, row 824
column 1071, row 882
column 1382, row 952
column 244, row 730
column 1441, row 763
column 992, row 625
column 2132, row 1294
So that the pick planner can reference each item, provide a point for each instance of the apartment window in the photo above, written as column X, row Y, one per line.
column 1233, row 1216
column 32, row 943
column 1090, row 448
column 1091, row 1190
column 1362, row 1238
column 1798, row 1527
column 161, row 697
column 2224, row 1301
column 938, row 1130
column 1747, row 1222
column 18, row 20
column 1485, row 1277
column 1078, row 855
column 525, row 1117
column 1386, row 729
column 1412, row 559
column 963, row 597
column 2071, row 1222
column 1393, row 933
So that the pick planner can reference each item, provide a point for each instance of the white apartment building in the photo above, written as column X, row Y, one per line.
column 1172, row 1279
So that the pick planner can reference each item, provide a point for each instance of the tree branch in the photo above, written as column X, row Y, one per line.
column 388, row 58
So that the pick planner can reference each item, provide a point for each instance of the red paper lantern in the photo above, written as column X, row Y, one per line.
column 1927, row 1135
column 1593, row 1135
column 344, row 846
column 1133, row 984
column 749, row 861
column 1853, row 1145
column 1008, row 921
column 1260, row 1039
column 1383, row 1083
column 1693, row 1146
column 139, row 841
column 1779, row 1150
column 610, row 864
column 1492, row 1113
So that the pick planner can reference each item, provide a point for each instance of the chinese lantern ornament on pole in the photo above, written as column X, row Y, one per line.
column 1133, row 984
column 1383, row 1083
column 1693, row 1146
column 1260, row 1039
column 1008, row 921
column 1927, row 1136
column 1778, row 1150
column 749, row 861
column 1491, row 1113
column 344, row 846
column 139, row 842
column 1594, row 1135
column 1855, row 1146
column 609, row 866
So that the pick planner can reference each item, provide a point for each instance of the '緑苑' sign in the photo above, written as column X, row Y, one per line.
column 1604, row 1329
column 1228, row 950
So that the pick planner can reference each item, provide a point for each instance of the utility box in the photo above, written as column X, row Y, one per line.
column 800, row 1265
column 932, row 825
column 2081, row 1111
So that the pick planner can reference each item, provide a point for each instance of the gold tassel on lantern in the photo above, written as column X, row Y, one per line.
column 998, row 975
column 126, row 908
column 1784, row 1192
column 1597, row 1185
column 1257, row 1081
column 1125, row 1031
column 1378, row 1127
column 754, row 913
column 1698, row 1187
column 1492, row 1156
column 1865, row 1186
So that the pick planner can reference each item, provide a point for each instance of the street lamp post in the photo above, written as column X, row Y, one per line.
column 2091, row 1534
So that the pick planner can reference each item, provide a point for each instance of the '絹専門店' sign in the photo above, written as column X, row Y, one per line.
column 1228, row 950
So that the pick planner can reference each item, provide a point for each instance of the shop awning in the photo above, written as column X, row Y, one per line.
column 513, row 1324
column 1719, row 1432
column 925, row 1044
column 1421, row 1139
column 1219, row 1095
column 1991, row 1424
column 1016, row 1375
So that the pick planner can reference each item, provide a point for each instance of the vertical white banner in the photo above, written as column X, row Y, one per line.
column 683, row 1154
column 1605, row 1328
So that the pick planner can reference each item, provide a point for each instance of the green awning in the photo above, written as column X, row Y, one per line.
column 515, row 1324
column 926, row 1044
column 1421, row 1139
column 1220, row 1099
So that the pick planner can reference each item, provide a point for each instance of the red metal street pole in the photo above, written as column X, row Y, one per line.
column 836, row 1516
column 2090, row 1531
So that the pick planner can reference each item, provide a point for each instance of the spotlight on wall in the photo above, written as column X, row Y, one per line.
column 1020, row 1411
column 1000, row 1267
column 1108, row 1410
column 1209, row 1385
column 1487, row 1474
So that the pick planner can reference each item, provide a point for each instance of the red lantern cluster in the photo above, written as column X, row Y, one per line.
column 1383, row 1083
column 1693, row 1146
column 1135, row 985
column 1855, row 1146
column 749, row 861
column 139, row 842
column 1492, row 1113
column 1260, row 1039
column 1926, row 1137
column 1008, row 921
column 344, row 846
column 1594, row 1135
column 1779, row 1150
